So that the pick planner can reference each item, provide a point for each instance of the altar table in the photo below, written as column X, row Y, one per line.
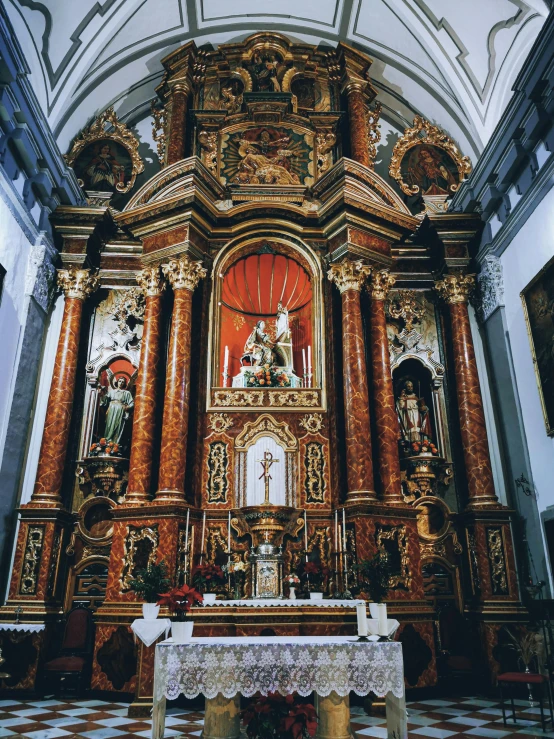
column 331, row 666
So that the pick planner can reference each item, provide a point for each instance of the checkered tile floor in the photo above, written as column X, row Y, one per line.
column 94, row 719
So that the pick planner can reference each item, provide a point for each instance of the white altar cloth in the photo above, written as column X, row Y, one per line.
column 29, row 628
column 286, row 603
column 284, row 664
column 149, row 630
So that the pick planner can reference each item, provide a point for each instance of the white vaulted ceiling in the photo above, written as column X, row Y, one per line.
column 452, row 61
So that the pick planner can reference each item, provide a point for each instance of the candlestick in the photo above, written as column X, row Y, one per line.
column 309, row 366
column 304, row 366
column 382, row 622
column 203, row 535
column 344, row 549
column 361, row 614
column 339, row 552
column 187, row 545
column 229, row 534
column 306, row 534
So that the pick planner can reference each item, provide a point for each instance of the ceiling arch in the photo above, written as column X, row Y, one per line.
column 451, row 62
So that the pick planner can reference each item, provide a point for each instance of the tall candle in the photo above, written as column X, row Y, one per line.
column 187, row 545
column 362, row 619
column 229, row 534
column 226, row 367
column 382, row 623
column 203, row 535
column 309, row 358
column 336, row 529
column 304, row 361
column 306, row 534
column 344, row 549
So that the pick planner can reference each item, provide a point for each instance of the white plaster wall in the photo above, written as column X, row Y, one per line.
column 528, row 252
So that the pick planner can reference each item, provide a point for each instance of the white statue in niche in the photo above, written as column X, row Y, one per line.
column 283, row 341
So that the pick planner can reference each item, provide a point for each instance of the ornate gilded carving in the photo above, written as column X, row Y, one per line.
column 215, row 541
column 78, row 283
column 151, row 281
column 218, row 463
column 220, row 422
column 238, row 398
column 129, row 304
column 184, row 273
column 315, row 473
column 455, row 288
column 318, row 541
column 31, row 560
column 295, row 398
column 312, row 422
column 105, row 476
column 325, row 140
column 499, row 575
column 423, row 132
column 380, row 283
column 475, row 578
column 406, row 306
column 373, row 132
column 262, row 426
column 394, row 541
column 158, row 129
column 108, row 127
column 349, row 275
column 208, row 144
column 140, row 548
column 232, row 102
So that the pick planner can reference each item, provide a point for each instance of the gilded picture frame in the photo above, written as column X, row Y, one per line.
column 538, row 309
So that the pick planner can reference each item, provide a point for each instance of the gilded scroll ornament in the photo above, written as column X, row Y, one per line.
column 349, row 275
column 388, row 537
column 129, row 304
column 380, row 283
column 262, row 426
column 184, row 273
column 325, row 140
column 373, row 132
column 218, row 463
column 158, row 129
column 105, row 157
column 140, row 548
column 312, row 422
column 208, row 144
column 315, row 473
column 297, row 398
column 238, row 398
column 231, row 99
column 78, row 283
column 499, row 576
column 426, row 160
column 220, row 422
column 406, row 307
column 455, row 288
column 151, row 281
column 31, row 560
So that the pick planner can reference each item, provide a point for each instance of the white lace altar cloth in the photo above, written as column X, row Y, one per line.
column 30, row 628
column 286, row 603
column 284, row 664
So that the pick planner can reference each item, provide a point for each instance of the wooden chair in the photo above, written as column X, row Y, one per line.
column 69, row 673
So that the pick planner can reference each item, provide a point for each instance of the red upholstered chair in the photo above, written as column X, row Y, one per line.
column 69, row 672
column 510, row 680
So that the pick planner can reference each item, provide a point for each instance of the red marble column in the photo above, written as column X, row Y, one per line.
column 349, row 277
column 144, row 424
column 357, row 118
column 386, row 419
column 184, row 275
column 177, row 124
column 455, row 289
column 77, row 284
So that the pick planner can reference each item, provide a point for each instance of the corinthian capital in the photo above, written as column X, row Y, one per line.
column 380, row 284
column 184, row 273
column 151, row 281
column 455, row 288
column 78, row 283
column 349, row 275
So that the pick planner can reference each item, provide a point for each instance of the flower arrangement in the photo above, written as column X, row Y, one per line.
column 267, row 376
column 374, row 576
column 292, row 580
column 275, row 715
column 180, row 600
column 208, row 578
column 105, row 448
column 148, row 583
column 237, row 574
column 424, row 447
column 313, row 574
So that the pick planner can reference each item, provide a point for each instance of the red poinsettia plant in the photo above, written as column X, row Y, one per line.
column 208, row 578
column 313, row 573
column 180, row 600
column 275, row 715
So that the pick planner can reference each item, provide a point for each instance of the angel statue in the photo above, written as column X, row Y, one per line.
column 282, row 324
column 120, row 402
column 258, row 346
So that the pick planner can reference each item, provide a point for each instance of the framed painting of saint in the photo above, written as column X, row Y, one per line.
column 538, row 308
column 105, row 157
column 425, row 161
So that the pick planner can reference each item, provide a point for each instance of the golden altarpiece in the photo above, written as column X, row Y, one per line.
column 266, row 295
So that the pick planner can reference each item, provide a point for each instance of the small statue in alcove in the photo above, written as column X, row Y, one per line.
column 120, row 403
column 413, row 415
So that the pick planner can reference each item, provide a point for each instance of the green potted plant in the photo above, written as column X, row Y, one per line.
column 313, row 575
column 179, row 602
column 148, row 583
column 207, row 579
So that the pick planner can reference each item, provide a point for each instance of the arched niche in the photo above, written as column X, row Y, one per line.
column 257, row 437
column 251, row 276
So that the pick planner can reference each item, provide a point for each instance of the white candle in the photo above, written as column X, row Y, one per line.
column 304, row 360
column 336, row 529
column 306, row 534
column 310, row 359
column 229, row 534
column 226, row 367
column 382, row 623
column 203, row 535
column 187, row 545
column 345, row 565
column 362, row 619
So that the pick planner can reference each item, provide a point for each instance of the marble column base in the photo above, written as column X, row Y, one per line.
column 222, row 718
column 333, row 717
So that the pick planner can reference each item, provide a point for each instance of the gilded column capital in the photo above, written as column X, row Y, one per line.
column 380, row 283
column 349, row 275
column 180, row 86
column 184, row 273
column 78, row 283
column 151, row 281
column 455, row 288
column 353, row 84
